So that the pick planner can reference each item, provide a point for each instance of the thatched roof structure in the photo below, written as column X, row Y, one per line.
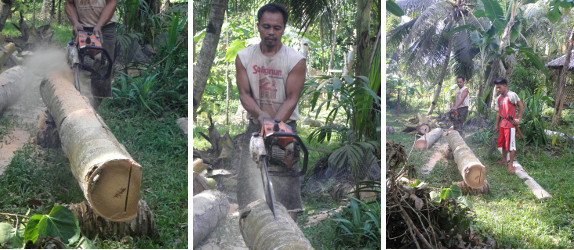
column 558, row 63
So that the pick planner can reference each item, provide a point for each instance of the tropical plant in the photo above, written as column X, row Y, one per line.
column 533, row 123
column 60, row 228
column 442, row 28
column 359, row 225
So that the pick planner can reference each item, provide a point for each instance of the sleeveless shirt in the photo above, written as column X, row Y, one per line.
column 506, row 106
column 268, row 76
column 458, row 95
column 89, row 12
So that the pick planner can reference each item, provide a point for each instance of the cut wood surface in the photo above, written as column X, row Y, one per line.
column 426, row 141
column 209, row 208
column 472, row 171
column 10, row 87
column 108, row 176
column 91, row 224
column 536, row 189
column 258, row 227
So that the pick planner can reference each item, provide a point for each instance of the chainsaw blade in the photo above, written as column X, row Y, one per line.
column 268, row 188
column 77, row 78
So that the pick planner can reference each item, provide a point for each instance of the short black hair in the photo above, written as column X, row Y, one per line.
column 461, row 77
column 500, row 81
column 273, row 8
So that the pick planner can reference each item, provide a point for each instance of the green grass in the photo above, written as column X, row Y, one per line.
column 511, row 214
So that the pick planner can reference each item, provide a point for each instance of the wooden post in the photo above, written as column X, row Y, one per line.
column 426, row 141
column 10, row 90
column 472, row 171
column 108, row 176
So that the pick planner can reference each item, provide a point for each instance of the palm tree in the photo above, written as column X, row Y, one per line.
column 429, row 39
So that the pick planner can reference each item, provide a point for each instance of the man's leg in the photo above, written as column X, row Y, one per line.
column 511, row 148
column 462, row 113
column 501, row 143
column 102, row 88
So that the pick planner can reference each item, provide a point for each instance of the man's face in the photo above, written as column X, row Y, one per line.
column 501, row 88
column 460, row 82
column 271, row 28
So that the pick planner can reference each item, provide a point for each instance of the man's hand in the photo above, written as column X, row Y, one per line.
column 77, row 27
column 98, row 32
column 262, row 116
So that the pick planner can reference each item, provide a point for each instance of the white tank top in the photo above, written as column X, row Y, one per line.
column 268, row 76
column 458, row 95
column 89, row 12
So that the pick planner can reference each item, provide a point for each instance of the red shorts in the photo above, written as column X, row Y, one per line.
column 507, row 139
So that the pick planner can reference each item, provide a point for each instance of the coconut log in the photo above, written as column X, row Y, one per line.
column 256, row 223
column 536, row 189
column 91, row 224
column 554, row 133
column 209, row 208
column 426, row 141
column 108, row 176
column 10, row 89
column 472, row 171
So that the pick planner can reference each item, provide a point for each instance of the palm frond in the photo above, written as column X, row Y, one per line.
column 463, row 54
column 398, row 34
column 303, row 13
column 415, row 6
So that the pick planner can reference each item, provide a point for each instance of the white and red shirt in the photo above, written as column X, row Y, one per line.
column 268, row 76
column 506, row 106
column 89, row 12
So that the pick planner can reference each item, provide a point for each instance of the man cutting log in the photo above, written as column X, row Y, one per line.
column 270, row 78
column 507, row 121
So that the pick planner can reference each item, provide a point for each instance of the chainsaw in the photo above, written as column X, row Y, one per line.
column 279, row 147
column 87, row 53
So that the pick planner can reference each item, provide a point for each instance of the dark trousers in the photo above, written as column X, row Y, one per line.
column 102, row 88
column 459, row 123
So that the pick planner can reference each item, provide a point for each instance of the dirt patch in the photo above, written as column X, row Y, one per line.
column 10, row 144
column 438, row 155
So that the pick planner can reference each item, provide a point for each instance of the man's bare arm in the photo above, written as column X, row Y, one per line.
column 105, row 16
column 520, row 109
column 72, row 14
column 293, row 88
column 245, row 93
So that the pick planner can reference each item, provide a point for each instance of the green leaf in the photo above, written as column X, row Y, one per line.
column 232, row 50
column 435, row 197
column 455, row 191
column 199, row 35
column 86, row 243
column 61, row 222
column 337, row 83
column 554, row 14
column 394, row 9
column 445, row 193
column 6, row 231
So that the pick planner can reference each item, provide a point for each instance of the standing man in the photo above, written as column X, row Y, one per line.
column 270, row 77
column 98, row 17
column 506, row 106
column 460, row 105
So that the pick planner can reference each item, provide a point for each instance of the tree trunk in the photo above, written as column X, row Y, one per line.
column 209, row 208
column 362, row 66
column 59, row 11
column 333, row 40
column 349, row 60
column 257, row 225
column 46, row 12
column 562, row 81
column 322, row 45
column 441, row 78
column 93, row 225
column 208, row 48
column 10, row 89
column 426, row 141
column 504, row 42
column 472, row 171
column 399, row 90
column 108, row 176
column 5, row 12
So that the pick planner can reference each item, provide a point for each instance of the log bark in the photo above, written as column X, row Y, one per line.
column 536, row 189
column 91, row 224
column 108, row 176
column 257, row 225
column 426, row 141
column 472, row 171
column 10, row 90
column 209, row 208
column 554, row 133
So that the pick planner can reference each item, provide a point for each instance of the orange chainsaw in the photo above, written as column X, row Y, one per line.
column 279, row 146
column 87, row 53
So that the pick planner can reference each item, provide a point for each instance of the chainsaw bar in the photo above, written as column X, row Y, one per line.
column 268, row 187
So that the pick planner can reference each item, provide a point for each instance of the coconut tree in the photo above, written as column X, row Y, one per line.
column 441, row 31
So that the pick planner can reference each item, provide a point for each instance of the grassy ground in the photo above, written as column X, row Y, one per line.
column 511, row 213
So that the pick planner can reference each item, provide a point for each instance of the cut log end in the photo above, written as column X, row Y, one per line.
column 475, row 175
column 113, row 189
column 421, row 144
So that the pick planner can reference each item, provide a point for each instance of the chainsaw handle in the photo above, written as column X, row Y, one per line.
column 105, row 53
column 302, row 146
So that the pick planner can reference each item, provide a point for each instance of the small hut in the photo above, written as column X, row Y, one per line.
column 558, row 63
